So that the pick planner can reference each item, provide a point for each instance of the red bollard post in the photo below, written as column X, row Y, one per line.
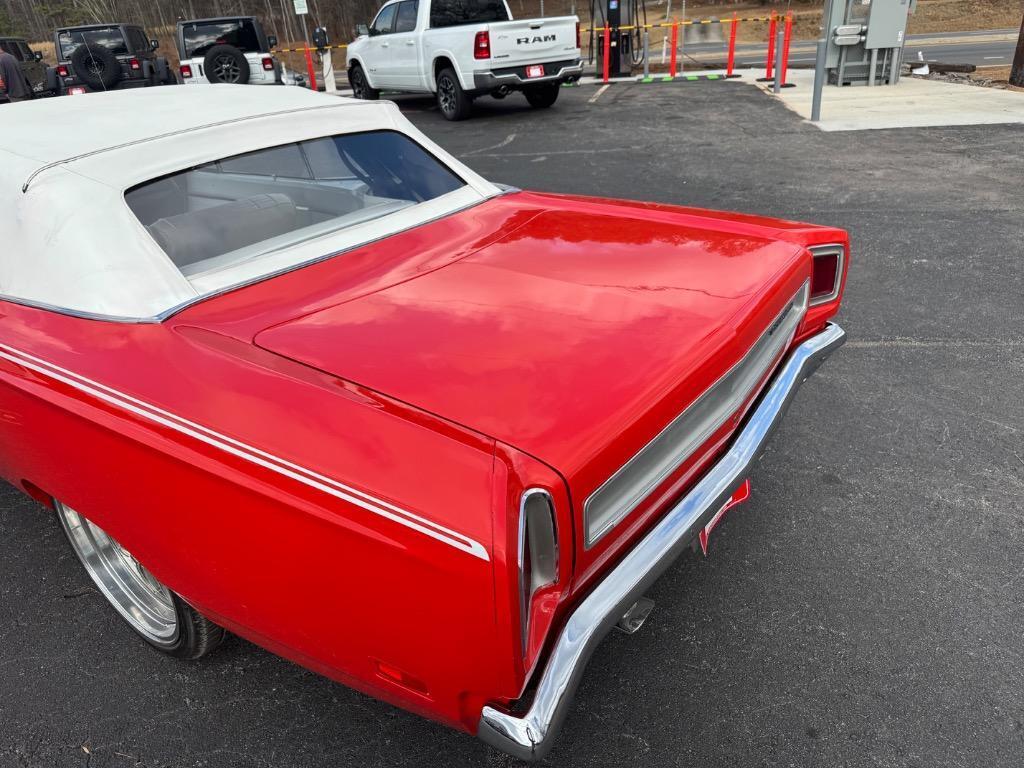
column 675, row 44
column 770, row 62
column 607, row 51
column 732, row 46
column 312, row 71
column 784, row 54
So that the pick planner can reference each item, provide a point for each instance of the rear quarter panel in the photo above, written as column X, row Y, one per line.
column 306, row 574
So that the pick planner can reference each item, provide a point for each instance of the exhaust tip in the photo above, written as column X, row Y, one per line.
column 635, row 617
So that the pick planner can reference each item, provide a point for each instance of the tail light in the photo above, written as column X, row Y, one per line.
column 577, row 34
column 538, row 552
column 482, row 45
column 134, row 64
column 826, row 273
column 62, row 70
column 186, row 71
column 268, row 63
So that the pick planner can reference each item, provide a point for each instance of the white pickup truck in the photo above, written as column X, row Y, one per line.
column 461, row 49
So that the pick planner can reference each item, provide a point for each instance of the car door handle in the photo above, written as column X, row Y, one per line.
column 385, row 45
column 410, row 42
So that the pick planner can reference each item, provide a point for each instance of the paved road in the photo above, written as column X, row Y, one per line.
column 863, row 609
column 983, row 48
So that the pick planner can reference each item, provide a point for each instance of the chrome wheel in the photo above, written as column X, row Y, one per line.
column 446, row 96
column 226, row 69
column 145, row 603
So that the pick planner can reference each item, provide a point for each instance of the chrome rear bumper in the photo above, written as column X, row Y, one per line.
column 529, row 736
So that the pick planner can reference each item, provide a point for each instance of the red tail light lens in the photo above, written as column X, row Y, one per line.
column 577, row 34
column 62, row 71
column 268, row 63
column 186, row 71
column 826, row 273
column 482, row 45
column 134, row 64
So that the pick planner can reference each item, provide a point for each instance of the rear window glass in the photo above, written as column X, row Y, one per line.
column 200, row 38
column 450, row 13
column 12, row 47
column 237, row 209
column 104, row 37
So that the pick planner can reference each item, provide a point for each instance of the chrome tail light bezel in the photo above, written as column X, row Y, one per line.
column 537, row 552
column 831, row 249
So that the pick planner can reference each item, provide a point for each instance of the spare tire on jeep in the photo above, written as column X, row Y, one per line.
column 226, row 64
column 96, row 66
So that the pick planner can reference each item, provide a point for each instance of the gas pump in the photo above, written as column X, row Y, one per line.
column 625, row 46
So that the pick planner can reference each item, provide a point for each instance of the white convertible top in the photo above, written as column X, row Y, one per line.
column 71, row 242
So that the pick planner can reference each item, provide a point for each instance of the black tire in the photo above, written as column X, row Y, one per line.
column 96, row 66
column 198, row 635
column 129, row 589
column 454, row 103
column 52, row 81
column 542, row 96
column 164, row 74
column 360, row 87
column 226, row 64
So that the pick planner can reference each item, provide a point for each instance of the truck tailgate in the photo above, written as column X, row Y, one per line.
column 529, row 41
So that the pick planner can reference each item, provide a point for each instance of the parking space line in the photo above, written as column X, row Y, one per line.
column 597, row 95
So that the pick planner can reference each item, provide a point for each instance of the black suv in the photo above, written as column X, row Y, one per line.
column 106, row 57
column 40, row 78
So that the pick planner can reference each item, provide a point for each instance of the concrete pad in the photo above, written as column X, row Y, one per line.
column 913, row 103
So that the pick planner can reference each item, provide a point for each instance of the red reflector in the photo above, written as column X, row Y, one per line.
column 268, row 63
column 62, row 71
column 824, row 275
column 396, row 675
column 482, row 45
column 186, row 70
column 134, row 64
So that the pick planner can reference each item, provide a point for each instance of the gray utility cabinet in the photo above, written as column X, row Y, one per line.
column 865, row 40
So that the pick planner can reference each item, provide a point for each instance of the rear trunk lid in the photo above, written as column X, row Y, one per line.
column 576, row 338
column 527, row 41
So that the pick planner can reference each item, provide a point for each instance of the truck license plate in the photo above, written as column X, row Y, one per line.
column 537, row 70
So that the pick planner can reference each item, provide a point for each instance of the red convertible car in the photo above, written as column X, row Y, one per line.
column 284, row 367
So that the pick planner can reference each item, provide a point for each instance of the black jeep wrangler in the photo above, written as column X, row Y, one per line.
column 41, row 79
column 106, row 57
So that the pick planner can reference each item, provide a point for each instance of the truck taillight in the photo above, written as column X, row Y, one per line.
column 577, row 34
column 186, row 71
column 62, row 71
column 134, row 65
column 826, row 273
column 268, row 63
column 482, row 45
column 538, row 552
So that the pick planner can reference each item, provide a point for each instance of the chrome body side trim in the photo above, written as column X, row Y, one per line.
column 634, row 481
column 246, row 452
column 529, row 736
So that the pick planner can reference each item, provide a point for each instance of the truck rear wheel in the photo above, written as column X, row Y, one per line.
column 454, row 103
column 542, row 96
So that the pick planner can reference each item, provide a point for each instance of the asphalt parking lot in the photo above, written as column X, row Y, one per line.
column 863, row 609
